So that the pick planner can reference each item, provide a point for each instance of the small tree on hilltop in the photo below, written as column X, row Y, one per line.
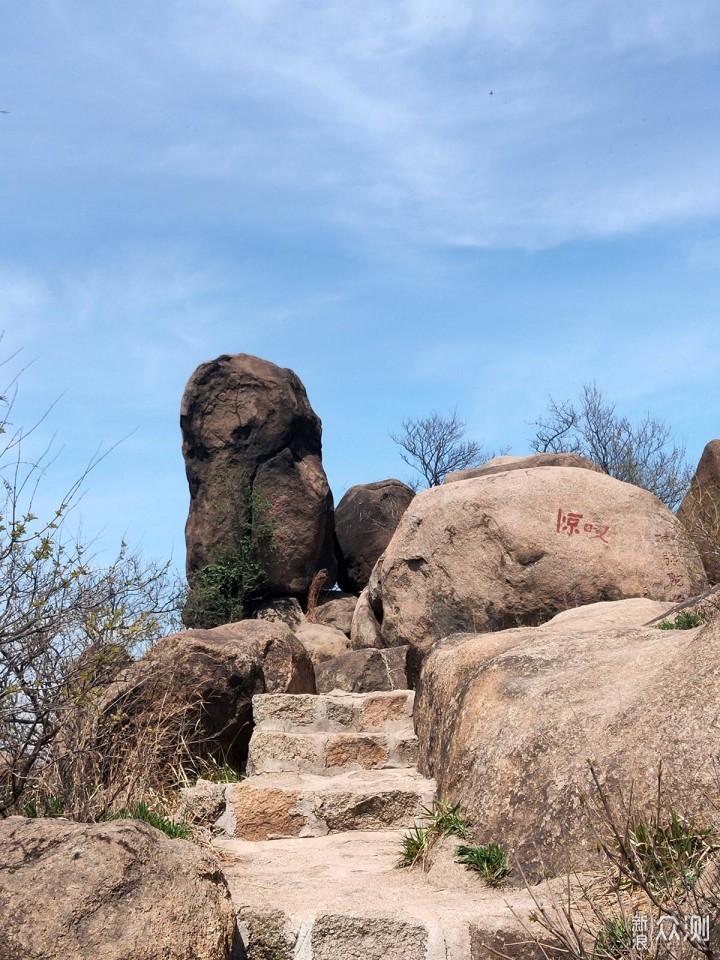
column 434, row 446
column 643, row 453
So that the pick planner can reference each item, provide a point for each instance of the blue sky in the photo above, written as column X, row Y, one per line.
column 418, row 205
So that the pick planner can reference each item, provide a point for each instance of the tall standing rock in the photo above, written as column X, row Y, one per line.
column 247, row 421
column 700, row 510
column 365, row 520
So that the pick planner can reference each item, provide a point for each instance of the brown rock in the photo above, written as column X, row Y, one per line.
column 517, row 547
column 505, row 463
column 262, row 813
column 700, row 510
column 336, row 609
column 365, row 520
column 508, row 721
column 246, row 420
column 199, row 685
column 285, row 610
column 365, row 630
column 109, row 891
column 363, row 671
column 322, row 643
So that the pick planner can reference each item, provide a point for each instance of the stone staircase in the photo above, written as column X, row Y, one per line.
column 328, row 763
column 309, row 841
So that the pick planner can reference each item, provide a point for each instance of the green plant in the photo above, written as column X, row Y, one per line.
column 668, row 857
column 446, row 819
column 490, row 861
column 52, row 806
column 415, row 845
column 220, row 591
column 443, row 819
column 141, row 811
column 684, row 621
column 614, row 940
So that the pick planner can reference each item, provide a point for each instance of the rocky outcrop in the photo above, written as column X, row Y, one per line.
column 109, row 891
column 365, row 520
column 197, row 686
column 363, row 671
column 508, row 721
column 515, row 548
column 700, row 510
column 505, row 463
column 248, row 425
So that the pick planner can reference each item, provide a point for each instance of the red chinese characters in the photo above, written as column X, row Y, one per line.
column 570, row 523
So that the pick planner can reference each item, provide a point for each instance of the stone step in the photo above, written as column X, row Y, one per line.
column 273, row 805
column 341, row 896
column 275, row 751
column 382, row 712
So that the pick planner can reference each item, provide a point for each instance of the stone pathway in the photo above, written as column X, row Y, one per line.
column 310, row 841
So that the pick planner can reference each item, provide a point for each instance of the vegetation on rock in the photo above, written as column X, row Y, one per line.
column 219, row 592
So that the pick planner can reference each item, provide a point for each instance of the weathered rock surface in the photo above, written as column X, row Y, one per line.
column 201, row 683
column 245, row 420
column 700, row 510
column 508, row 721
column 285, row 610
column 365, row 520
column 505, row 463
column 517, row 547
column 109, row 891
column 336, row 610
column 363, row 671
column 322, row 643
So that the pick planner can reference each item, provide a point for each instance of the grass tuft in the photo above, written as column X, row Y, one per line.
column 490, row 861
column 614, row 940
column 141, row 811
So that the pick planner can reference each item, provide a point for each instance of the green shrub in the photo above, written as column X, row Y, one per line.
column 490, row 861
column 141, row 811
column 684, row 621
column 220, row 591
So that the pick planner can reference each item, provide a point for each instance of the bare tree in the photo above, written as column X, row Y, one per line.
column 643, row 453
column 434, row 446
column 65, row 622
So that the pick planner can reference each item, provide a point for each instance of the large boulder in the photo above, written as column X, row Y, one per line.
column 508, row 721
column 196, row 688
column 248, row 426
column 365, row 520
column 109, row 891
column 700, row 510
column 504, row 463
column 517, row 547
